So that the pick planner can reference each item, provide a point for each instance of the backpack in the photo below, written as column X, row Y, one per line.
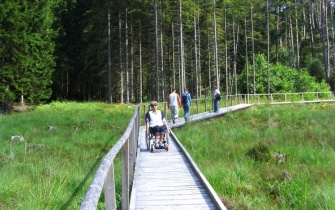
column 217, row 97
column 184, row 99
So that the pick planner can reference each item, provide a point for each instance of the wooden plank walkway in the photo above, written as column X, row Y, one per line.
column 170, row 179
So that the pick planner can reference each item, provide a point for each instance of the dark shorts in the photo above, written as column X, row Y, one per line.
column 157, row 130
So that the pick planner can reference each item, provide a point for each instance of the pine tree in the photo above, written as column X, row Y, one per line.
column 26, row 50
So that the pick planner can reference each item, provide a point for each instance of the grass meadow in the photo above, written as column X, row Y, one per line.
column 65, row 142
column 268, row 156
column 62, row 148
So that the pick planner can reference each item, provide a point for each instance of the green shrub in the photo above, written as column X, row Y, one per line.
column 259, row 152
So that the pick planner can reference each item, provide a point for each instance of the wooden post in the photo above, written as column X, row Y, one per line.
column 132, row 154
column 109, row 188
column 125, row 175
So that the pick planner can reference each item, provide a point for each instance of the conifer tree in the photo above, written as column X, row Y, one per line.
column 26, row 49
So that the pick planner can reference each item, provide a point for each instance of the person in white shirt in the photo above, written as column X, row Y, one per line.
column 155, row 123
column 173, row 102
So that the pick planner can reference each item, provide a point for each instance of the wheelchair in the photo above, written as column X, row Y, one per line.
column 151, row 145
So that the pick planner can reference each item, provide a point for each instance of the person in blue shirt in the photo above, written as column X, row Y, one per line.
column 216, row 99
column 186, row 101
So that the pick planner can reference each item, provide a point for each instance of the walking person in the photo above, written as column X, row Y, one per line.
column 216, row 99
column 187, row 102
column 173, row 102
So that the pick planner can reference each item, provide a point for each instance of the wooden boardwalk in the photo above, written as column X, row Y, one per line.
column 171, row 180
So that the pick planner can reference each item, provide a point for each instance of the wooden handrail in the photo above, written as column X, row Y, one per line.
column 273, row 98
column 104, row 176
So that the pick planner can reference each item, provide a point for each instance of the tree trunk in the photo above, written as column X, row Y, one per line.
column 327, row 39
column 132, row 95
column 291, row 42
column 109, row 56
column 156, row 51
column 311, row 28
column 217, row 73
column 162, row 58
column 196, row 56
column 333, row 45
column 199, row 55
column 120, row 58
column 268, row 36
column 209, row 61
column 253, row 47
column 324, row 38
column 297, row 36
column 127, row 59
column 304, row 20
column 141, row 69
column 226, row 51
column 277, row 31
column 182, row 66
column 235, row 37
column 246, row 52
column 173, row 60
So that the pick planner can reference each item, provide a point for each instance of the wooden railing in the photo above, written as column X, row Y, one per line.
column 104, row 176
column 206, row 104
column 281, row 98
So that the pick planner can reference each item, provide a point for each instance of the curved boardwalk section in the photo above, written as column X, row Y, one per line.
column 171, row 180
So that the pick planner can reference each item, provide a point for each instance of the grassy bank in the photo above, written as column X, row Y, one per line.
column 64, row 143
column 237, row 154
column 62, row 148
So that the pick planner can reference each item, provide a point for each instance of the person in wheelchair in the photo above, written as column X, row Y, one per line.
column 155, row 123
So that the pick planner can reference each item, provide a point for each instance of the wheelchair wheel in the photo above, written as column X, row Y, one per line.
column 166, row 142
column 147, row 139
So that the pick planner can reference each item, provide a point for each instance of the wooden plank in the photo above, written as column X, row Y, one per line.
column 169, row 179
column 175, row 198
column 192, row 204
column 164, row 180
column 172, row 192
column 159, row 201
column 174, row 207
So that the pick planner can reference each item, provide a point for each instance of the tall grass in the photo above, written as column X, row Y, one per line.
column 52, row 168
column 62, row 148
column 236, row 153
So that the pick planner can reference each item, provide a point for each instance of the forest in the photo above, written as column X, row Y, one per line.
column 122, row 51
